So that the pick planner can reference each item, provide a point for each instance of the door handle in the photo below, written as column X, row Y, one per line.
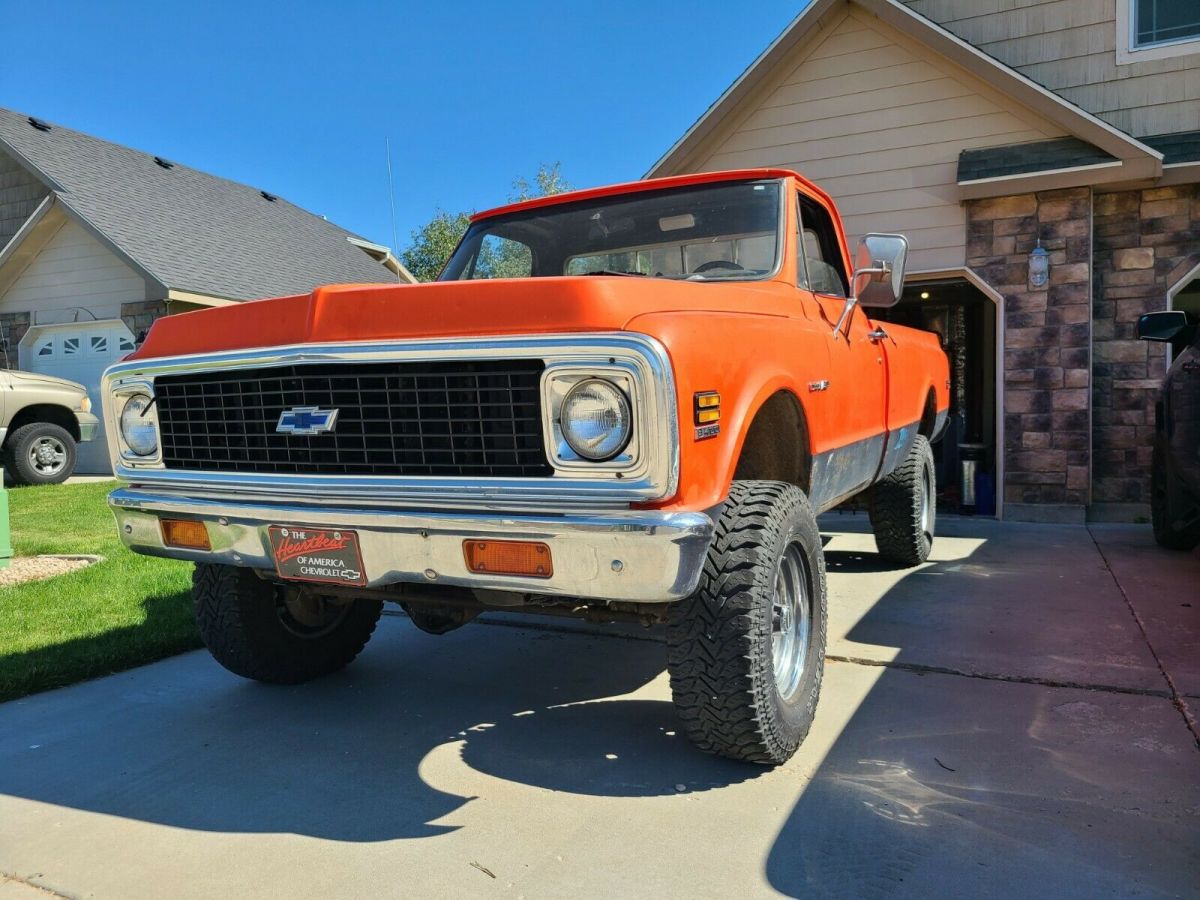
column 877, row 335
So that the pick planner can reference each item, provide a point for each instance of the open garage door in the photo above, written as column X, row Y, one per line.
column 79, row 351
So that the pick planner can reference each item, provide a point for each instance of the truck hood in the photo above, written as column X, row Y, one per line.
column 347, row 313
column 39, row 380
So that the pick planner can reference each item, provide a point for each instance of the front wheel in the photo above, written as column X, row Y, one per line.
column 746, row 652
column 41, row 453
column 277, row 633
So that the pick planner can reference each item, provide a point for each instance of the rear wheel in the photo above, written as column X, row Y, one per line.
column 277, row 633
column 1166, row 533
column 746, row 652
column 903, row 508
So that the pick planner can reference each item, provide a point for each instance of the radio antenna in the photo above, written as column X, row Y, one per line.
column 387, row 146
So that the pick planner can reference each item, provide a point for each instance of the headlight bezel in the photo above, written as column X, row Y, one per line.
column 120, row 397
column 138, row 405
column 557, row 382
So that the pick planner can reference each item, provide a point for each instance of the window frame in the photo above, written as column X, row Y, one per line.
column 1130, row 52
column 778, row 183
column 830, row 245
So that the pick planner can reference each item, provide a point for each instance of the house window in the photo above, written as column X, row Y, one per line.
column 1156, row 29
column 70, row 346
column 99, row 343
column 1164, row 21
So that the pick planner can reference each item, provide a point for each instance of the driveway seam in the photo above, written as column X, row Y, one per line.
column 1176, row 698
column 917, row 668
column 921, row 669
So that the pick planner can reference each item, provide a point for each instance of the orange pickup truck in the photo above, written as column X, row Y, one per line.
column 626, row 403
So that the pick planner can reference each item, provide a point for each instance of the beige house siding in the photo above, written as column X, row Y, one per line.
column 888, row 155
column 1069, row 46
column 73, row 270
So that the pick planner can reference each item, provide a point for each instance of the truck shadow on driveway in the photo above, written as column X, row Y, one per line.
column 1010, row 737
column 185, row 744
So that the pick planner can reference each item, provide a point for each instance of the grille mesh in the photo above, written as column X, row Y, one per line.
column 469, row 419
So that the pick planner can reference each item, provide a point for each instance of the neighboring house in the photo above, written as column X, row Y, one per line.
column 979, row 130
column 97, row 240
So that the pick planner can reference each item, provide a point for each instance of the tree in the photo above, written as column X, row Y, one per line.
column 547, row 181
column 433, row 242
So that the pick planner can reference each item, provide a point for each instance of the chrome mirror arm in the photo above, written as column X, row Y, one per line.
column 851, row 302
column 878, row 272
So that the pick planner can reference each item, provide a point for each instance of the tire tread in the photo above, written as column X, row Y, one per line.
column 719, row 649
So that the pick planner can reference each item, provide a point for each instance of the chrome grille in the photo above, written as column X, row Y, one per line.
column 469, row 419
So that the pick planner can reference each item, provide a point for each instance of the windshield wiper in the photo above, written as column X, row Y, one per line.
column 617, row 272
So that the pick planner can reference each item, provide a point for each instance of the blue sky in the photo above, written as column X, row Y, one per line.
column 298, row 97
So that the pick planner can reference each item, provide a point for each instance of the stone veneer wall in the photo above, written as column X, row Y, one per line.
column 1047, row 340
column 12, row 328
column 138, row 317
column 1146, row 242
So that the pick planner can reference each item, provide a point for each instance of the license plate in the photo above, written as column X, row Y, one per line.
column 325, row 555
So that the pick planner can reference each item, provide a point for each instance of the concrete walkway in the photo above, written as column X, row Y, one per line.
column 1007, row 720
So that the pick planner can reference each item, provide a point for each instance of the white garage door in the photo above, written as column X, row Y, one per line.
column 80, row 352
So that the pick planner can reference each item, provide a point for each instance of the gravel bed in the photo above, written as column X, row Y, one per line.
column 36, row 568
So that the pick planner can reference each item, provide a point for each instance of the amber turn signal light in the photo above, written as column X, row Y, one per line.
column 528, row 558
column 708, row 407
column 185, row 533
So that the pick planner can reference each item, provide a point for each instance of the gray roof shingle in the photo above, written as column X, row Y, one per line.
column 189, row 230
column 1179, row 147
column 1021, row 159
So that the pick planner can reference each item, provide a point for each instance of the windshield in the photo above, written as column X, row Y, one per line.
column 724, row 231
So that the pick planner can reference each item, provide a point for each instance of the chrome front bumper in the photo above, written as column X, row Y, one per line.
column 641, row 556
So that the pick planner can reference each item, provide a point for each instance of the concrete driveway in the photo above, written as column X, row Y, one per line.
column 1009, row 719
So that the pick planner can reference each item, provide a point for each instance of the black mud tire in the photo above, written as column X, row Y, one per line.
column 247, row 628
column 23, row 441
column 903, row 508
column 1165, row 533
column 720, row 639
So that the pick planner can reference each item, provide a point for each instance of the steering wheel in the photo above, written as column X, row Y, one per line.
column 719, row 264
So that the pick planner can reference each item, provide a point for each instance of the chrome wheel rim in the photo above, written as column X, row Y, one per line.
column 48, row 456
column 791, row 620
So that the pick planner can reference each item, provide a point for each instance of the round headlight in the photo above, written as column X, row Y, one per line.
column 595, row 419
column 137, row 428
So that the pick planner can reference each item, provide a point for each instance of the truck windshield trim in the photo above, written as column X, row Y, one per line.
column 720, row 231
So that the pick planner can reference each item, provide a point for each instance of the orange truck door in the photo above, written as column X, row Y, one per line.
column 847, row 456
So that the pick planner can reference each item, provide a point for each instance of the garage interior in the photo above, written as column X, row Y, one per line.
column 964, row 318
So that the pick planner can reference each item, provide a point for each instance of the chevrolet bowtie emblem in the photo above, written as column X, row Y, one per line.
column 306, row 420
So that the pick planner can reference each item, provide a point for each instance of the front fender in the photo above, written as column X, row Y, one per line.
column 747, row 358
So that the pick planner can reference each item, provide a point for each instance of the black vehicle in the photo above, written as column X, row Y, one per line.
column 1175, row 471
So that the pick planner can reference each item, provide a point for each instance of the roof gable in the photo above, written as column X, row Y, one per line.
column 185, row 229
column 807, row 33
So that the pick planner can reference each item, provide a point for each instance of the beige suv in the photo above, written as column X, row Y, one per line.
column 42, row 418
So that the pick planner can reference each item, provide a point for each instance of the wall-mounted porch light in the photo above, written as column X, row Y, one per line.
column 1039, row 266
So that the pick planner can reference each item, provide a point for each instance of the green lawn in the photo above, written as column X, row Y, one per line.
column 119, row 613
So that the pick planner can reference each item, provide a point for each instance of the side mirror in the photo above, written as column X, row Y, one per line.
column 1163, row 326
column 879, row 269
